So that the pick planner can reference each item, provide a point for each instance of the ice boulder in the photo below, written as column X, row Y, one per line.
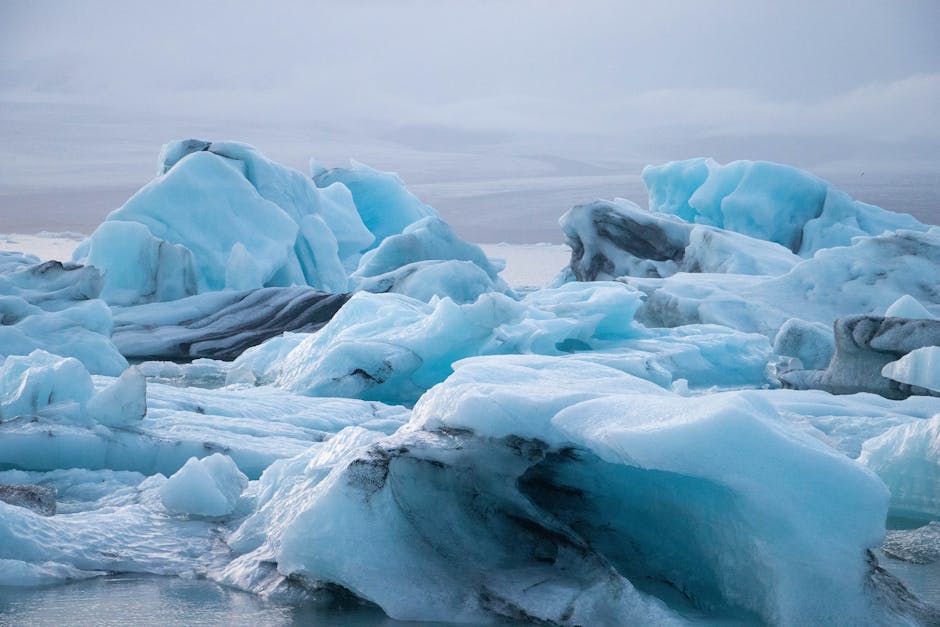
column 385, row 206
column 920, row 368
column 221, row 215
column 609, row 239
column 810, row 342
column 32, row 383
column 207, row 487
column 767, row 201
column 122, row 403
column 538, row 488
column 427, row 259
column 907, row 458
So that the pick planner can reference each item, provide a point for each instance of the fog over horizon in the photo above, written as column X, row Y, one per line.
column 500, row 114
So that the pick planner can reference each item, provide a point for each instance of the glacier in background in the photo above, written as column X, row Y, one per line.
column 310, row 387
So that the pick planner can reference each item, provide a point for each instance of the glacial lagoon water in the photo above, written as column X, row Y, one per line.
column 144, row 600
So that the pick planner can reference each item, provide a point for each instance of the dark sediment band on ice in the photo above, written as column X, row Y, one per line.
column 38, row 498
column 616, row 238
column 220, row 325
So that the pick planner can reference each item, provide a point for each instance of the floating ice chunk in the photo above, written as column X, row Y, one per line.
column 123, row 403
column 385, row 206
column 810, row 342
column 908, row 307
column 846, row 421
column 207, row 487
column 392, row 348
column 32, row 383
column 52, row 306
column 907, row 458
column 615, row 238
column 52, row 285
column 920, row 367
column 399, row 264
column 768, row 201
column 461, row 281
column 527, row 485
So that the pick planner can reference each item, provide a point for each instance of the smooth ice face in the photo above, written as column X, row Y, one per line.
column 220, row 215
column 767, row 201
column 208, row 487
column 908, row 307
column 385, row 206
column 907, row 458
column 920, row 367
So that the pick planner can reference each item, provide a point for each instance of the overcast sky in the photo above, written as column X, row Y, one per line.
column 814, row 83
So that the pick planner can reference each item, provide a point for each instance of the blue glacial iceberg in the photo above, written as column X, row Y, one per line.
column 707, row 418
column 767, row 201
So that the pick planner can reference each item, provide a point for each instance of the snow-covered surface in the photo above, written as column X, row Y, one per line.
column 480, row 433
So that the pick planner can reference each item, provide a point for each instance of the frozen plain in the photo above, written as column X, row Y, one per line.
column 629, row 444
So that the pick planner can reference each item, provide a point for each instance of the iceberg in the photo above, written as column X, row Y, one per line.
column 207, row 487
column 384, row 204
column 767, row 201
column 311, row 388
column 524, row 486
column 610, row 239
